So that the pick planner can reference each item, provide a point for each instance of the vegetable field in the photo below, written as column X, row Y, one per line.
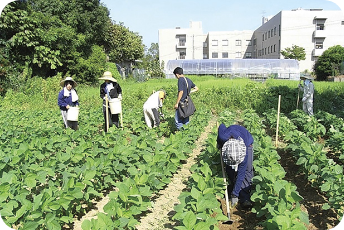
column 53, row 178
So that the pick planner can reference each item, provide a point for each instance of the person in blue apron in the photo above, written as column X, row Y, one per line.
column 110, row 89
column 68, row 98
column 236, row 144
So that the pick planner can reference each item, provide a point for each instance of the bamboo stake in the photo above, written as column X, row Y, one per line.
column 107, row 113
column 298, row 96
column 278, row 115
column 122, row 120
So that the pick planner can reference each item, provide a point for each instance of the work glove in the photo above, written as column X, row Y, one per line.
column 162, row 115
column 234, row 200
column 304, row 99
column 120, row 96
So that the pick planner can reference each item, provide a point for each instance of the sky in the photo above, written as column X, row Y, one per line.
column 146, row 17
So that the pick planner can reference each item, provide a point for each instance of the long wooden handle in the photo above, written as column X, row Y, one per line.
column 225, row 182
column 278, row 116
column 107, row 113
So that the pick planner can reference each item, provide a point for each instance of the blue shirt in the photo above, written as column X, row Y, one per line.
column 63, row 101
column 182, row 86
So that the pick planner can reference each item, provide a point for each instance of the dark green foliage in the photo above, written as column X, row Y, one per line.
column 329, row 62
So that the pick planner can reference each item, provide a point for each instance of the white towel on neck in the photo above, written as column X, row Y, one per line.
column 73, row 92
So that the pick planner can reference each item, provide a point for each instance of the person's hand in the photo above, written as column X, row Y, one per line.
column 304, row 99
column 176, row 106
column 234, row 200
column 67, row 107
column 120, row 96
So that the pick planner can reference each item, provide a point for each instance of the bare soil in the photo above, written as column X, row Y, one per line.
column 313, row 199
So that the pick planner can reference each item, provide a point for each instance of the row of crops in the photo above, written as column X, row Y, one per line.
column 275, row 199
column 51, row 176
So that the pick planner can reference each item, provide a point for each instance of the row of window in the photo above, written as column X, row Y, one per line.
column 182, row 55
column 270, row 33
column 267, row 50
column 225, row 55
column 215, row 42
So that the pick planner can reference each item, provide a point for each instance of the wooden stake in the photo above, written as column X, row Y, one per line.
column 278, row 115
column 298, row 95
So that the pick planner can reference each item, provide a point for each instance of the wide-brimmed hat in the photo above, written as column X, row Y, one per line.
column 68, row 79
column 307, row 77
column 108, row 76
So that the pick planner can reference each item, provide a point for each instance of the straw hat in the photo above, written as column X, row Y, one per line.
column 307, row 76
column 68, row 79
column 108, row 76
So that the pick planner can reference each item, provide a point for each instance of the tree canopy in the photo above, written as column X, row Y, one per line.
column 328, row 64
column 295, row 52
column 42, row 38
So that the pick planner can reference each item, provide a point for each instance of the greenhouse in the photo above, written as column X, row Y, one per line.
column 248, row 68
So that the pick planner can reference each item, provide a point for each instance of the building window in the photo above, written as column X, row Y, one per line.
column 269, row 34
column 238, row 54
column 225, row 42
column 275, row 48
column 342, row 22
column 238, row 42
column 319, row 45
column 205, row 44
column 214, row 43
column 182, row 41
column 275, row 31
column 205, row 56
column 248, row 55
column 182, row 55
column 320, row 26
column 214, row 55
column 248, row 42
column 225, row 55
column 263, row 37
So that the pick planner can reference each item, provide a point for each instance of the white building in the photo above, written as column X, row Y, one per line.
column 313, row 29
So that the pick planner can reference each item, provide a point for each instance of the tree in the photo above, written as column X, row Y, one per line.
column 295, row 52
column 43, row 38
column 151, row 62
column 328, row 64
column 125, row 45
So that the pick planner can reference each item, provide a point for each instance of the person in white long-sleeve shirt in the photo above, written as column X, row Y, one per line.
column 151, row 108
column 308, row 93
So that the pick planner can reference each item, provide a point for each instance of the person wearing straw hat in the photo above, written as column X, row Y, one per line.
column 308, row 92
column 67, row 98
column 151, row 108
column 110, row 89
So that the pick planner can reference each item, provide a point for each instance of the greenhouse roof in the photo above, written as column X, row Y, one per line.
column 283, row 68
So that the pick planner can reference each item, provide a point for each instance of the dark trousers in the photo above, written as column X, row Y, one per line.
column 245, row 191
column 113, row 118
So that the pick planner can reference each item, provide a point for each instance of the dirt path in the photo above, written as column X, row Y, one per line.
column 162, row 211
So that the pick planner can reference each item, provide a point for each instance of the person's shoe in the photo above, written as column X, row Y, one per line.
column 246, row 204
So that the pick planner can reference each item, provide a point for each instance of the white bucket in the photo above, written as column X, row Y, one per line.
column 73, row 114
column 115, row 106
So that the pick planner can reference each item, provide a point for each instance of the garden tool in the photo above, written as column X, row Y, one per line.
column 107, row 113
column 161, row 114
column 229, row 221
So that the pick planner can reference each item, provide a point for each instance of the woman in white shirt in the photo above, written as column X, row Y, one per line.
column 151, row 107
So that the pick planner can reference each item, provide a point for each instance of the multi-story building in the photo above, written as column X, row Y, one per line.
column 313, row 29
